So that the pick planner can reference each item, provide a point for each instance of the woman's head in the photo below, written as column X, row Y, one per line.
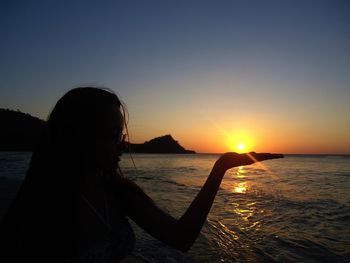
column 87, row 124
column 83, row 131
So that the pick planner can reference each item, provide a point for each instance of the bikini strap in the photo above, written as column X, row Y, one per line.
column 105, row 221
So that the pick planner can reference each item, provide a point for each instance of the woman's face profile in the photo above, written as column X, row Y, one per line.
column 109, row 141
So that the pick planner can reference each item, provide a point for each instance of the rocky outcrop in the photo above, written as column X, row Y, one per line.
column 162, row 144
column 19, row 131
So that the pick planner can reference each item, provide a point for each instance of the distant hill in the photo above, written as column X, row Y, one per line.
column 162, row 144
column 20, row 131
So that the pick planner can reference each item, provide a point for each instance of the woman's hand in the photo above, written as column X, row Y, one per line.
column 232, row 159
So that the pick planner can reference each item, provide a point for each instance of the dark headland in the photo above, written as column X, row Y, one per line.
column 162, row 144
column 20, row 132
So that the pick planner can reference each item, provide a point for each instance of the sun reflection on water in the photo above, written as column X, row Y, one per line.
column 248, row 210
column 240, row 172
column 240, row 187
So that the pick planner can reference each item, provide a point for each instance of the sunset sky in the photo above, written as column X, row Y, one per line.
column 266, row 75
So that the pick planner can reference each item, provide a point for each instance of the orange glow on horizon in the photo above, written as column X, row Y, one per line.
column 218, row 138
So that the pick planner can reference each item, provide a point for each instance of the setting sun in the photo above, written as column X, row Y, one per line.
column 239, row 141
column 240, row 147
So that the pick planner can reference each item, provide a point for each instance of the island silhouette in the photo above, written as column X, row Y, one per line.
column 162, row 144
column 20, row 132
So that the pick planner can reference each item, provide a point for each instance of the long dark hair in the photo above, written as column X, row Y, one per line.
column 52, row 179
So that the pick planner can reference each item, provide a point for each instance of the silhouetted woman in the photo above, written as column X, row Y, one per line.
column 74, row 202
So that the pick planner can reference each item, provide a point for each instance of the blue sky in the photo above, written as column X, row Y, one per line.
column 182, row 66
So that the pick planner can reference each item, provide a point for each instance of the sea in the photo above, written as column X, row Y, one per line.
column 295, row 209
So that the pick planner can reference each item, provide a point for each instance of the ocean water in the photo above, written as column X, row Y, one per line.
column 295, row 209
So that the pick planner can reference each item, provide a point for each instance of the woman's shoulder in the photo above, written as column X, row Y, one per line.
column 125, row 189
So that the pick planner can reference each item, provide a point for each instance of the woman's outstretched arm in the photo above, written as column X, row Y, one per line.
column 182, row 233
